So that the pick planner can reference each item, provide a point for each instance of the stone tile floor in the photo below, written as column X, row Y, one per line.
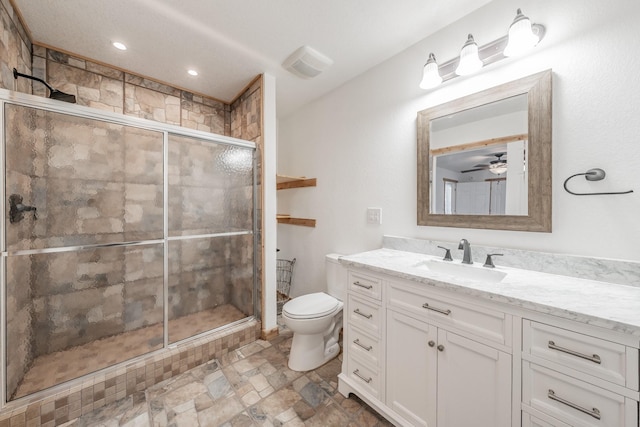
column 251, row 386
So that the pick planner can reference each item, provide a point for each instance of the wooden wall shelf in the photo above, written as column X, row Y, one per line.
column 306, row 222
column 284, row 182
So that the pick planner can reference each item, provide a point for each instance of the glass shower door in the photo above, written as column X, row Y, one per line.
column 84, row 246
column 210, row 248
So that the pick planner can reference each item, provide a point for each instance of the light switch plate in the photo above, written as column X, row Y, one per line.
column 374, row 215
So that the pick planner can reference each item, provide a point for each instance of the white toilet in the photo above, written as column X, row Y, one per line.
column 316, row 321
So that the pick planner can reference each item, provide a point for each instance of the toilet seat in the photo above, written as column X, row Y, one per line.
column 310, row 306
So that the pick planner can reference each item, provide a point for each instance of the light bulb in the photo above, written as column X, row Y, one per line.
column 469, row 60
column 430, row 74
column 521, row 37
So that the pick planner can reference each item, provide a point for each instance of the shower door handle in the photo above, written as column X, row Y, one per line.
column 17, row 209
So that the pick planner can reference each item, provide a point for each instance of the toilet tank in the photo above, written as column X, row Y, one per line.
column 336, row 276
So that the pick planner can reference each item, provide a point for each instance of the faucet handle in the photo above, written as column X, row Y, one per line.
column 447, row 254
column 489, row 262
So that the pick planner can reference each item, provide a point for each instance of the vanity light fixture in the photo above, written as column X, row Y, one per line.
column 522, row 36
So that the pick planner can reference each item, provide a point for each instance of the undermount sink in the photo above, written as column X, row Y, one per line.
column 463, row 271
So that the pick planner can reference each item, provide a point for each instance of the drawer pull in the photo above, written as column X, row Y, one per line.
column 357, row 311
column 363, row 286
column 357, row 374
column 439, row 310
column 366, row 347
column 595, row 358
column 595, row 413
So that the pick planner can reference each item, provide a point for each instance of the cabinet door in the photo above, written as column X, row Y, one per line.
column 411, row 369
column 474, row 383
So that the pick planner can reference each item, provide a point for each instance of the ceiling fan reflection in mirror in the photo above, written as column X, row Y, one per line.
column 496, row 167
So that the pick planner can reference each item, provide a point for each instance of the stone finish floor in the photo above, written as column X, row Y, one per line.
column 251, row 386
column 61, row 366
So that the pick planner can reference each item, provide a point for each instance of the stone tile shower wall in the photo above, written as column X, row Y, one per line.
column 97, row 182
column 106, row 88
column 15, row 49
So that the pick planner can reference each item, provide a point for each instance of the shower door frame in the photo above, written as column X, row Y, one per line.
column 49, row 105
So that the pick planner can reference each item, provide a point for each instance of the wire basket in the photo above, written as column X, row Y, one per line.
column 284, row 271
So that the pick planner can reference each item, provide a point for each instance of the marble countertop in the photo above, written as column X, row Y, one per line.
column 607, row 305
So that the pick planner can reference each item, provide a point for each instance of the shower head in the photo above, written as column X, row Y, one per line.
column 61, row 96
column 53, row 93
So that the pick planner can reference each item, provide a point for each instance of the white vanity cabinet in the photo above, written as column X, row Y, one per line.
column 424, row 358
column 533, row 350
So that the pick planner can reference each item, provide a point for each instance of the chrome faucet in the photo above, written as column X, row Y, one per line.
column 466, row 257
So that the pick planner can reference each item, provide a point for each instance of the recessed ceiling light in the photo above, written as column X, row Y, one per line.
column 119, row 46
column 193, row 72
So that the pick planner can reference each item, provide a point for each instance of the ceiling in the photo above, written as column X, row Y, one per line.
column 229, row 42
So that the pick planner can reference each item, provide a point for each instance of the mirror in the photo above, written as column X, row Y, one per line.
column 484, row 161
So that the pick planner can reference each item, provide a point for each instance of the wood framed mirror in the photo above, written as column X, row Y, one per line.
column 484, row 160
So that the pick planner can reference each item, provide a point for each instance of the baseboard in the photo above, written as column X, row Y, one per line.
column 268, row 335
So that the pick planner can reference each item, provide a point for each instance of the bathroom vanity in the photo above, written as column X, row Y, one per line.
column 442, row 344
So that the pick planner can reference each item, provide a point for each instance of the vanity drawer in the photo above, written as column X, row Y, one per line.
column 603, row 359
column 480, row 321
column 575, row 402
column 365, row 315
column 363, row 346
column 366, row 378
column 365, row 285
column 529, row 420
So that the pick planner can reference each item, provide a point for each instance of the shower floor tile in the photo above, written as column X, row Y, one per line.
column 251, row 387
column 56, row 368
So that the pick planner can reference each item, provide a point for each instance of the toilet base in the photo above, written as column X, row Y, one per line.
column 309, row 351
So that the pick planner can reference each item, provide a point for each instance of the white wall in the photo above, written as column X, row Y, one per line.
column 360, row 140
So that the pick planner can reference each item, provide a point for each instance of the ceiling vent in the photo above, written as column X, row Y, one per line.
column 307, row 62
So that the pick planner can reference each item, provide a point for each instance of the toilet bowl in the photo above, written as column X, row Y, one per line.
column 316, row 321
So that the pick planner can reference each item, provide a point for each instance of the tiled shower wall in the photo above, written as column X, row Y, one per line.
column 15, row 49
column 105, row 88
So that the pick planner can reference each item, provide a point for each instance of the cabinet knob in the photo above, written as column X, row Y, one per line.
column 440, row 347
column 431, row 343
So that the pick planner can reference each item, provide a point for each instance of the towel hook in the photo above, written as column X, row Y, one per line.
column 595, row 174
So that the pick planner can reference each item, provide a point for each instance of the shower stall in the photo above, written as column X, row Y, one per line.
column 120, row 237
